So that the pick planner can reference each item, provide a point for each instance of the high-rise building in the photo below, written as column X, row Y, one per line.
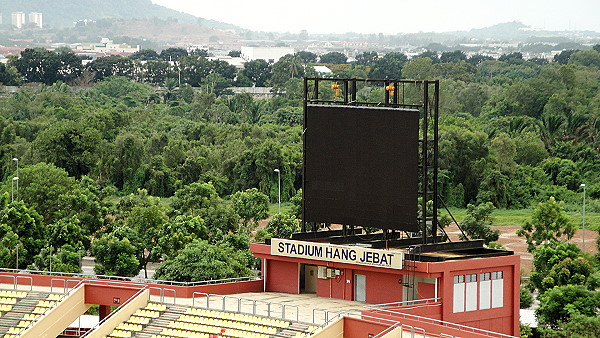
column 18, row 19
column 36, row 18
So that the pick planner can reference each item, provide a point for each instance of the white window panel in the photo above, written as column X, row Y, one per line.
column 459, row 297
column 485, row 294
column 471, row 296
column 497, row 293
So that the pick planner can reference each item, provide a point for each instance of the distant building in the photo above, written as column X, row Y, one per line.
column 324, row 70
column 238, row 63
column 256, row 92
column 36, row 19
column 18, row 19
column 269, row 54
column 107, row 46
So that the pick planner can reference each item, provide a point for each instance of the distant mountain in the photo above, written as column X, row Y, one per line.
column 62, row 13
column 514, row 30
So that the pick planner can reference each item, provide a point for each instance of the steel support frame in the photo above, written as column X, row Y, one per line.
column 429, row 142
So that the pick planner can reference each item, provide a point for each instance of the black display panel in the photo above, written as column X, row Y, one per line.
column 361, row 166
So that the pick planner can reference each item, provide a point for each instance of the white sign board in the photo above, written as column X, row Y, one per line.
column 337, row 253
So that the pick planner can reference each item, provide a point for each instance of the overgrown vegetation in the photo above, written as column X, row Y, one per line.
column 159, row 160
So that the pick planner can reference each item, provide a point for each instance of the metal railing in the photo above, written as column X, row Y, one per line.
column 161, row 292
column 328, row 315
column 132, row 279
column 270, row 307
column 444, row 323
column 426, row 301
column 100, row 323
column 33, row 322
column 15, row 281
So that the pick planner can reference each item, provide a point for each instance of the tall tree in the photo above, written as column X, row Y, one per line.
column 41, row 187
column 201, row 261
column 173, row 54
column 113, row 65
column 366, row 58
column 549, row 222
column 557, row 264
column 115, row 257
column 252, row 206
column 307, row 57
column 259, row 71
column 389, row 66
column 21, row 226
column 477, row 224
column 38, row 65
column 288, row 67
column 333, row 57
column 70, row 145
column 145, row 54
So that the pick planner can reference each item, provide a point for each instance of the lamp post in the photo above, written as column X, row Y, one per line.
column 12, row 190
column 17, row 162
column 583, row 220
column 278, row 190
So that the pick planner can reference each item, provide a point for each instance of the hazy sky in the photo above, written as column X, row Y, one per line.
column 393, row 16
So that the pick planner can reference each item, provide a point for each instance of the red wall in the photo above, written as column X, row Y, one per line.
column 180, row 291
column 382, row 287
column 361, row 328
column 426, row 290
column 282, row 276
column 108, row 295
column 503, row 320
column 336, row 287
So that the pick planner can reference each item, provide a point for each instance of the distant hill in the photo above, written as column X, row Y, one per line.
column 62, row 13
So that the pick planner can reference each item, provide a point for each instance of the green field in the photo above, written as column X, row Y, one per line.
column 501, row 216
column 520, row 216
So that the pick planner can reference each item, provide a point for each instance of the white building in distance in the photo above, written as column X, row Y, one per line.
column 17, row 19
column 36, row 19
column 269, row 54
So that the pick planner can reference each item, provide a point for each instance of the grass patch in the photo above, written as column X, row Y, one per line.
column 520, row 216
column 286, row 208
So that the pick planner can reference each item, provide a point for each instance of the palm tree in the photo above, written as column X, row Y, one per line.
column 550, row 129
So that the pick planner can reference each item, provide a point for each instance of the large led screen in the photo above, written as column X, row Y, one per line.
column 361, row 166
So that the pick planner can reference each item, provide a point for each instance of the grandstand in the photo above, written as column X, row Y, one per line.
column 46, row 306
column 364, row 161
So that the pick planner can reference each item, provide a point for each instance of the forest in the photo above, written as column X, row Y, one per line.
column 152, row 157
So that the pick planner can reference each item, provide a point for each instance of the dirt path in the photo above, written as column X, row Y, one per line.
column 510, row 240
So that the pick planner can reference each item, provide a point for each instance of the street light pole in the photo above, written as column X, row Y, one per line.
column 17, row 161
column 583, row 220
column 278, row 190
column 12, row 190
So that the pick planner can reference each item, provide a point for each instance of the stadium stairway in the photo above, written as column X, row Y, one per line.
column 20, row 309
column 173, row 313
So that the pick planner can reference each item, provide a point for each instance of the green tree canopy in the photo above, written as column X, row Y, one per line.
column 115, row 257
column 549, row 222
column 41, row 185
column 559, row 263
column 557, row 305
column 477, row 224
column 252, row 206
column 70, row 145
column 333, row 57
column 201, row 261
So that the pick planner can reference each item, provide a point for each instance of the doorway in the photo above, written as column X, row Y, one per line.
column 360, row 288
column 309, row 278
